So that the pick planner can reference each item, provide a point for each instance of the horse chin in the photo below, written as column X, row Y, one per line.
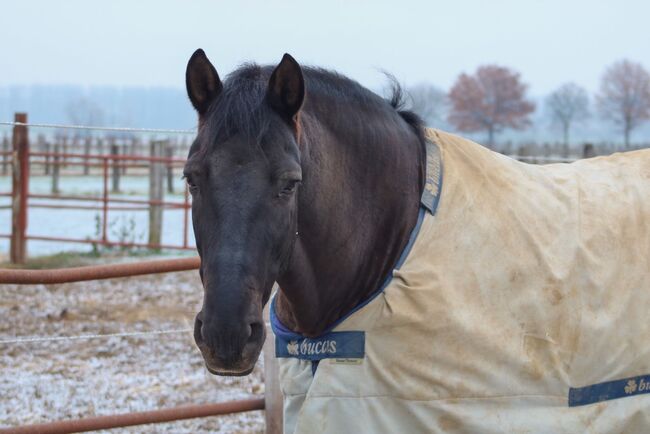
column 228, row 372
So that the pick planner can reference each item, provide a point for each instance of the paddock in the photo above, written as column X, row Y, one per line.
column 73, row 322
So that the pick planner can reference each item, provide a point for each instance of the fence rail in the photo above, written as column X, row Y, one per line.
column 111, row 165
column 98, row 272
column 160, row 163
column 271, row 403
column 139, row 418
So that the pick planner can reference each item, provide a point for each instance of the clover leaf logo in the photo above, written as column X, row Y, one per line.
column 292, row 348
column 631, row 387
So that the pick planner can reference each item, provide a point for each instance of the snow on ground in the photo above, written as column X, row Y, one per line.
column 47, row 381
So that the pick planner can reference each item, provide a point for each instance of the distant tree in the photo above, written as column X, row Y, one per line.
column 82, row 111
column 567, row 105
column 490, row 100
column 624, row 96
column 429, row 102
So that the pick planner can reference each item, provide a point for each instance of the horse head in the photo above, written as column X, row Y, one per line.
column 244, row 173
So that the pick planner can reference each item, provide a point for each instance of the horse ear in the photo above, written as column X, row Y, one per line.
column 202, row 81
column 286, row 91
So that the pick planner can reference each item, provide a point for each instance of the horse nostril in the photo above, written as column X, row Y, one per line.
column 257, row 332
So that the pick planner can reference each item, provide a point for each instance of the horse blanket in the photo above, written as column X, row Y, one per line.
column 519, row 307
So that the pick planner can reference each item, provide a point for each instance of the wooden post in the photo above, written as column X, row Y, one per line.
column 125, row 151
column 20, row 191
column 5, row 157
column 63, row 160
column 40, row 147
column 132, row 150
column 100, row 146
column 272, row 393
column 156, row 177
column 56, row 169
column 87, row 143
column 116, row 168
column 169, row 153
column 47, row 148
column 105, row 201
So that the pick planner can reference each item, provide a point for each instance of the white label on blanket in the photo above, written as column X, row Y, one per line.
column 334, row 345
column 609, row 390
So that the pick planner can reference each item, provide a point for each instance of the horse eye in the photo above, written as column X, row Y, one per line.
column 289, row 188
column 190, row 182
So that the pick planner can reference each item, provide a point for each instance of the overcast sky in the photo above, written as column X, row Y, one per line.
column 146, row 42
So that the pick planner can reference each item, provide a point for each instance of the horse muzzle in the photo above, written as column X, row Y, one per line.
column 229, row 350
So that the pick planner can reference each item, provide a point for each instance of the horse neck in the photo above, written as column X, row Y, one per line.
column 362, row 178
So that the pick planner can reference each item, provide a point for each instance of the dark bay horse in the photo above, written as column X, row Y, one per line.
column 518, row 305
column 299, row 176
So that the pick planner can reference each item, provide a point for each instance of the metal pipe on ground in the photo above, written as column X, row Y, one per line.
column 97, row 272
column 140, row 418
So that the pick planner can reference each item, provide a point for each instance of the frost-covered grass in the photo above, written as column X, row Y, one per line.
column 46, row 381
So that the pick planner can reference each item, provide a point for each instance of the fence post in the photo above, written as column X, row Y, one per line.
column 156, row 177
column 116, row 167
column 47, row 148
column 169, row 153
column 40, row 146
column 20, row 190
column 87, row 143
column 105, row 201
column 5, row 157
column 56, row 168
column 274, row 408
column 63, row 159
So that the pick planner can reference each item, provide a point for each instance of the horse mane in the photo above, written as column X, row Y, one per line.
column 398, row 102
column 238, row 108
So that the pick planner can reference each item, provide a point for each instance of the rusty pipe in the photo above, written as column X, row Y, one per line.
column 97, row 272
column 139, row 418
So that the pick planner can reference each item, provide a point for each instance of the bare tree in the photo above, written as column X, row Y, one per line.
column 83, row 111
column 429, row 102
column 568, row 104
column 492, row 99
column 624, row 96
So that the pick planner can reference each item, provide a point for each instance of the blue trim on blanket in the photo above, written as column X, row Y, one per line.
column 333, row 345
column 429, row 205
column 609, row 390
column 284, row 333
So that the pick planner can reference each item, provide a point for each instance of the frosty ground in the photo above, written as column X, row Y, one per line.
column 47, row 381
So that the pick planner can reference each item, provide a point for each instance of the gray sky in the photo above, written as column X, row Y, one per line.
column 146, row 42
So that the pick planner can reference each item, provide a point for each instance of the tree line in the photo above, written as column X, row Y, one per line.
column 493, row 99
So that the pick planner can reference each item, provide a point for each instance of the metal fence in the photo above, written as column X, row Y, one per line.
column 111, row 166
column 271, row 403
column 21, row 159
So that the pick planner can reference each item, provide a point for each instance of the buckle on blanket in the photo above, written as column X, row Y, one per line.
column 333, row 345
column 433, row 182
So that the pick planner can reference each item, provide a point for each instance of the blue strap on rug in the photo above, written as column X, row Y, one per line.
column 609, row 390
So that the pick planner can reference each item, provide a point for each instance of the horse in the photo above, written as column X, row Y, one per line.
column 394, row 315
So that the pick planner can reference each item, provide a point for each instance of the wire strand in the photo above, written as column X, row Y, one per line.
column 85, row 127
column 31, row 339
